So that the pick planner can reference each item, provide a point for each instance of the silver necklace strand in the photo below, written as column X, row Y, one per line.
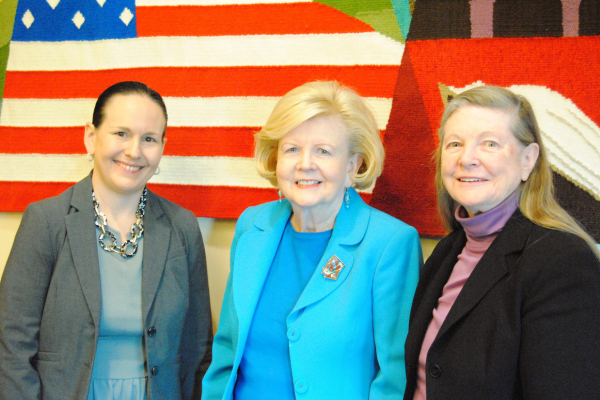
column 137, row 229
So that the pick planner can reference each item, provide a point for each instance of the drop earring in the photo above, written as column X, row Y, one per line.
column 347, row 199
column 157, row 170
column 280, row 195
column 89, row 157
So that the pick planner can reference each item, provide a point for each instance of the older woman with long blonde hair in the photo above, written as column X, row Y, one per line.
column 508, row 304
column 317, row 301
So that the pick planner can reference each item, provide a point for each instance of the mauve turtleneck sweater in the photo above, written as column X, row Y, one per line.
column 481, row 230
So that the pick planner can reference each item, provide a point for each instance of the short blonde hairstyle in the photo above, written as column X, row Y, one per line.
column 316, row 99
column 537, row 201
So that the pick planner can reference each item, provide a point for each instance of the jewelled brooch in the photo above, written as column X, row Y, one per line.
column 333, row 267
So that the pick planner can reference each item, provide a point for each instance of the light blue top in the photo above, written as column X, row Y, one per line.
column 119, row 371
column 265, row 370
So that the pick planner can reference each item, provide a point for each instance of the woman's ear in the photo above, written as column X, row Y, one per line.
column 89, row 138
column 354, row 164
column 528, row 160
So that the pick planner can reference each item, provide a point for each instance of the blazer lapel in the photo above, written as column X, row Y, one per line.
column 491, row 268
column 82, row 239
column 157, row 239
column 429, row 299
column 349, row 229
column 253, row 258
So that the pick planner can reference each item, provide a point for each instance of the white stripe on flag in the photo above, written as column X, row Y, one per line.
column 191, row 111
column 174, row 170
column 370, row 48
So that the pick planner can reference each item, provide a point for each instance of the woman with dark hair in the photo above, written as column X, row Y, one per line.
column 508, row 305
column 105, row 294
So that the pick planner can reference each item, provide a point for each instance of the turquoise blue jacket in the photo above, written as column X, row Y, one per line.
column 347, row 335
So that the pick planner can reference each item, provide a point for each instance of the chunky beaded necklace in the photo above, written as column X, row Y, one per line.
column 129, row 246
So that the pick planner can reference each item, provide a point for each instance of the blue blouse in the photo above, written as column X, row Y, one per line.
column 119, row 371
column 265, row 371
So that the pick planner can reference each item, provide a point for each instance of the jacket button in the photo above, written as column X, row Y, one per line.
column 300, row 386
column 154, row 371
column 435, row 371
column 293, row 334
column 151, row 331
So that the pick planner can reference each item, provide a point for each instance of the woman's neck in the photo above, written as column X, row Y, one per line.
column 309, row 220
column 119, row 209
column 491, row 221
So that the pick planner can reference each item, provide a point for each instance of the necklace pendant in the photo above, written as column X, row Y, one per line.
column 111, row 236
column 332, row 269
column 129, row 247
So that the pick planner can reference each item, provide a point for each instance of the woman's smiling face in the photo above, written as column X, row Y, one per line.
column 482, row 161
column 128, row 144
column 314, row 165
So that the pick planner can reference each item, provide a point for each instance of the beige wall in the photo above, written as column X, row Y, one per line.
column 217, row 233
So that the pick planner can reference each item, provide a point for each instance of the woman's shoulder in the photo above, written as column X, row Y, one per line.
column 552, row 244
column 176, row 214
column 268, row 213
column 56, row 206
column 380, row 220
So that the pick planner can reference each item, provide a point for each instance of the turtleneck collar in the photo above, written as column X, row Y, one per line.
column 491, row 221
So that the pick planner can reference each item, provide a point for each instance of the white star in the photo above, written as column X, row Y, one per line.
column 126, row 16
column 27, row 19
column 101, row 2
column 53, row 3
column 78, row 19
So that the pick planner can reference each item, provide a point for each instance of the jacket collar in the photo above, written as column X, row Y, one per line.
column 82, row 236
column 157, row 240
column 349, row 229
column 350, row 223
column 492, row 267
column 256, row 250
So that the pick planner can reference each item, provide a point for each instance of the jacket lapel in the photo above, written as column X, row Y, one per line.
column 491, row 268
column 82, row 239
column 427, row 300
column 349, row 229
column 253, row 258
column 157, row 239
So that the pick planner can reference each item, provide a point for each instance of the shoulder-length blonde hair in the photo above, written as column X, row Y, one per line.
column 537, row 201
column 315, row 99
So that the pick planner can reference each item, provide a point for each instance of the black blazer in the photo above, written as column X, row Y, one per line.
column 525, row 326
column 50, row 301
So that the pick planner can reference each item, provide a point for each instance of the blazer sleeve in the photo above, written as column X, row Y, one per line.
column 394, row 286
column 196, row 337
column 560, row 332
column 23, row 289
column 218, row 374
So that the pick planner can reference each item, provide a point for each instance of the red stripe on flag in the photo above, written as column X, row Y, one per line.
column 20, row 194
column 369, row 81
column 183, row 141
column 253, row 19
column 216, row 201
column 219, row 141
column 42, row 140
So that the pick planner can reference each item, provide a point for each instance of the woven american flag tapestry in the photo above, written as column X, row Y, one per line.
column 222, row 65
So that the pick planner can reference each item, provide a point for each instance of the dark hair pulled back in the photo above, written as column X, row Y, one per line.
column 125, row 88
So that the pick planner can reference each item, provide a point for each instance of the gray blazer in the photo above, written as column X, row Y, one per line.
column 50, row 301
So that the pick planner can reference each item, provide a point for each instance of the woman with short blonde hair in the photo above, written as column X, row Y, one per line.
column 316, row 99
column 317, row 301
